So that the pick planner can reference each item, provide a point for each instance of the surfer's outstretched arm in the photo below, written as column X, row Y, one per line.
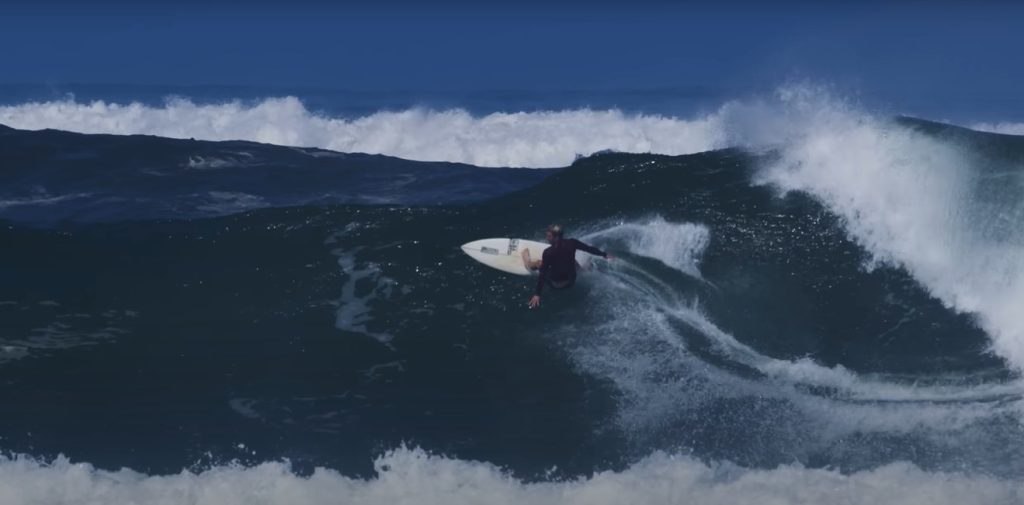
column 590, row 249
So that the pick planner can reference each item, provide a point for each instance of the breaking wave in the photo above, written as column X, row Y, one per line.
column 520, row 139
column 414, row 476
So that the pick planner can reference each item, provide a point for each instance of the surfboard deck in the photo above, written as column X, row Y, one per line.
column 505, row 254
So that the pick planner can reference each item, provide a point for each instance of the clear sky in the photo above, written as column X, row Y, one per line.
column 914, row 53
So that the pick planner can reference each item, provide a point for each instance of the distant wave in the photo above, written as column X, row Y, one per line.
column 414, row 476
column 521, row 139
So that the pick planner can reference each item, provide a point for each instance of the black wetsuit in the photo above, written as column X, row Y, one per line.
column 559, row 262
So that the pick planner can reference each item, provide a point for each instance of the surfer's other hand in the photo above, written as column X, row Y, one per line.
column 534, row 302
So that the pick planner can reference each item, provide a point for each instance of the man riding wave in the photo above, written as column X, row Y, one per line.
column 558, row 263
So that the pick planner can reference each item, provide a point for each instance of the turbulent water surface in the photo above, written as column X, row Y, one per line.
column 809, row 303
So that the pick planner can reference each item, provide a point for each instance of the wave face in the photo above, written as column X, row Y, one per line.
column 825, row 312
column 54, row 176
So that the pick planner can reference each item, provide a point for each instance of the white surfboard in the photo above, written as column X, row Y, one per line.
column 505, row 254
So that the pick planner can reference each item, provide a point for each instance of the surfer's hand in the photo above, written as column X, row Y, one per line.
column 608, row 256
column 535, row 302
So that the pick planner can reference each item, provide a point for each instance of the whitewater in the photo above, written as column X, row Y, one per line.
column 518, row 139
column 411, row 476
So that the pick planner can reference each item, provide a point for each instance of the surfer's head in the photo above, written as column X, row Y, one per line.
column 554, row 233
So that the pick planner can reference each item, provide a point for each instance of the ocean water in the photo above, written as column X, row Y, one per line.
column 259, row 301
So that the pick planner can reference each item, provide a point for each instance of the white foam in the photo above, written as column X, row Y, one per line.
column 228, row 160
column 354, row 312
column 225, row 202
column 40, row 199
column 634, row 339
column 678, row 245
column 913, row 202
column 844, row 384
column 411, row 476
column 1006, row 128
column 520, row 139
column 57, row 330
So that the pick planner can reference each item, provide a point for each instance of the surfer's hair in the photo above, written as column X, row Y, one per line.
column 556, row 230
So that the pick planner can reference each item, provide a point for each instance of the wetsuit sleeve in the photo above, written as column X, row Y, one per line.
column 542, row 277
column 589, row 248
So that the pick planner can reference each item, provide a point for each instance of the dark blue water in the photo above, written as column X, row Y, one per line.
column 171, row 304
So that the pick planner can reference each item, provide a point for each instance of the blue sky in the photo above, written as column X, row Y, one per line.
column 911, row 54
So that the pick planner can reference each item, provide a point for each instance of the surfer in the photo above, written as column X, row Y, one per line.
column 558, row 263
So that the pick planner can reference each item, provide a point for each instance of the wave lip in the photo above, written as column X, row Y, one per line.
column 916, row 201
